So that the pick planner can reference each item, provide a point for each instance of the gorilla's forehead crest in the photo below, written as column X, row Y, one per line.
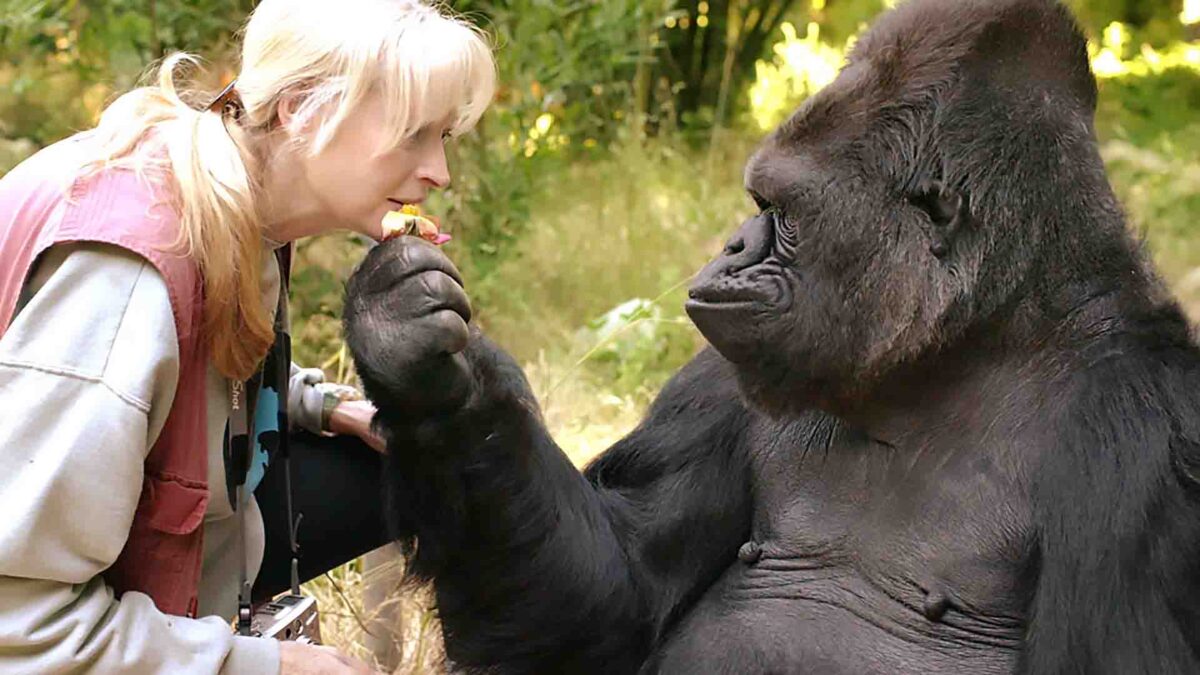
column 1018, row 50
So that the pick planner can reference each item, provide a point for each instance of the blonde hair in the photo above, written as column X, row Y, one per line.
column 427, row 65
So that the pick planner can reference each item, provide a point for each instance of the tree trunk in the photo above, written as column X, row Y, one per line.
column 643, row 75
column 733, row 31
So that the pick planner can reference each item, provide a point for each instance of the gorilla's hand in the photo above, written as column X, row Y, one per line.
column 406, row 322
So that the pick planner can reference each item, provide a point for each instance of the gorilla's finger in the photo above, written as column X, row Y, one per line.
column 418, row 254
column 444, row 385
column 435, row 291
column 394, row 261
column 447, row 330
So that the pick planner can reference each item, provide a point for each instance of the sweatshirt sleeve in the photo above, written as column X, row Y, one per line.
column 88, row 371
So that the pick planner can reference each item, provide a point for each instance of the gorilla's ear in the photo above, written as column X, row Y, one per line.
column 947, row 209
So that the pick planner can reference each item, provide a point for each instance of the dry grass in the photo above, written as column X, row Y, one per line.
column 399, row 635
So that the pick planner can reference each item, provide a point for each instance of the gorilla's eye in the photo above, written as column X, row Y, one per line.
column 760, row 201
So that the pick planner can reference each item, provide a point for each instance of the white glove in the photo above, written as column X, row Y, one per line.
column 306, row 402
column 311, row 399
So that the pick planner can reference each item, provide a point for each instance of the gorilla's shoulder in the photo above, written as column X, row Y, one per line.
column 1139, row 405
column 708, row 381
column 699, row 418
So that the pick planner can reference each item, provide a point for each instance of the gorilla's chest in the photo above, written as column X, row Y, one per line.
column 865, row 558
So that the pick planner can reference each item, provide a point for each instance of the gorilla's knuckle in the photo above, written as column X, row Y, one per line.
column 451, row 329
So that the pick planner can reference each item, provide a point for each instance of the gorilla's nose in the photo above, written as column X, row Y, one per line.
column 749, row 246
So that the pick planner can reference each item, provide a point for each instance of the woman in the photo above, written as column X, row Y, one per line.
column 139, row 284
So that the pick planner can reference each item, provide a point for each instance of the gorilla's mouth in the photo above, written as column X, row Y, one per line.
column 734, row 311
column 748, row 271
column 762, row 287
column 735, row 298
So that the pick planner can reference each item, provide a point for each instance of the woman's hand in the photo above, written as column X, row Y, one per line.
column 296, row 658
column 354, row 418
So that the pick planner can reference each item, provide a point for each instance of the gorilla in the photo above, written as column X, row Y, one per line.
column 949, row 421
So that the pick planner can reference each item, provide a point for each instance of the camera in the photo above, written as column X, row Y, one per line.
column 288, row 617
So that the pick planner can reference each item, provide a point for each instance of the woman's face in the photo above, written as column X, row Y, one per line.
column 355, row 180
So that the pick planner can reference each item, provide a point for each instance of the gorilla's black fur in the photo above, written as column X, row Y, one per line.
column 951, row 422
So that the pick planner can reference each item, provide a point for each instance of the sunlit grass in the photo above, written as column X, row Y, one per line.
column 633, row 226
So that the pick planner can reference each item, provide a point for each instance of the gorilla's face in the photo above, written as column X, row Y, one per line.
column 901, row 205
column 840, row 276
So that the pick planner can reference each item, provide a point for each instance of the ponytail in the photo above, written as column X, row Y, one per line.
column 208, row 166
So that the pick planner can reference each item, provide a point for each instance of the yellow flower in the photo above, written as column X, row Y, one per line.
column 409, row 220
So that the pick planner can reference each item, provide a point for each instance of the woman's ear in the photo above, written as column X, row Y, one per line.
column 285, row 111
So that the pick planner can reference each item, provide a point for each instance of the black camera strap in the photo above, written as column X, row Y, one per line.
column 240, row 440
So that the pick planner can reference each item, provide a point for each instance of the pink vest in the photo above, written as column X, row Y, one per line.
column 163, row 554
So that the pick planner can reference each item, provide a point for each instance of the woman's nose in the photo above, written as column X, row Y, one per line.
column 434, row 170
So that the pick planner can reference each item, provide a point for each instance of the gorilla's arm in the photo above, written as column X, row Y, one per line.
column 1116, row 585
column 541, row 569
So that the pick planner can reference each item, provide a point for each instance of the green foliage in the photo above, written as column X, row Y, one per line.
column 319, row 270
column 565, row 70
column 1151, row 143
column 636, row 224
column 1156, row 20
column 1160, row 191
column 842, row 19
column 711, row 48
column 1153, row 111
column 637, row 345
column 62, row 61
column 573, row 60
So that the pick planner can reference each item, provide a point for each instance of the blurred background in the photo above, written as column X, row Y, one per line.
column 606, row 172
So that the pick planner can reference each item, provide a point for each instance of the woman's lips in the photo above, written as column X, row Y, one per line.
column 405, row 202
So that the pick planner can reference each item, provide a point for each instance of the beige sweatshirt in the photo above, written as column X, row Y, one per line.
column 88, row 371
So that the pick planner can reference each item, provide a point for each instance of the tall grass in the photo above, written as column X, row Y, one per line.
column 635, row 225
